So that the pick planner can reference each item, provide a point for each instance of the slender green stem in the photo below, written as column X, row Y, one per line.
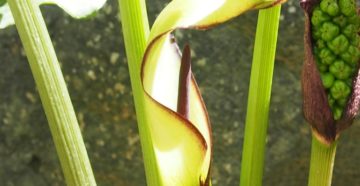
column 53, row 92
column 135, row 29
column 321, row 163
column 259, row 97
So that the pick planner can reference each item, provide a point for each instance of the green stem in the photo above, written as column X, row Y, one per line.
column 321, row 163
column 53, row 92
column 259, row 97
column 135, row 29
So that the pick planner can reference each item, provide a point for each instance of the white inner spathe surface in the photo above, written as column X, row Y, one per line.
column 75, row 8
column 7, row 18
column 166, row 76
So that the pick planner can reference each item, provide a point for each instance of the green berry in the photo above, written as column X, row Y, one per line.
column 355, row 42
column 329, row 31
column 322, row 67
column 349, row 82
column 351, row 56
column 330, row 6
column 347, row 7
column 337, row 113
column 326, row 56
column 327, row 79
column 350, row 31
column 331, row 101
column 354, row 19
column 340, row 70
column 320, row 44
column 340, row 90
column 316, row 33
column 340, row 20
column 342, row 102
column 339, row 44
column 318, row 17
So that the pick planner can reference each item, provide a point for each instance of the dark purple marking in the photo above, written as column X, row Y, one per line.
column 184, row 83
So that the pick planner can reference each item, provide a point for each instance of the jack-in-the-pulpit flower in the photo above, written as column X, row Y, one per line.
column 176, row 114
column 331, row 76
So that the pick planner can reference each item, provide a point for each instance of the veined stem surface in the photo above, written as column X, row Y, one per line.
column 259, row 97
column 321, row 163
column 53, row 92
column 135, row 29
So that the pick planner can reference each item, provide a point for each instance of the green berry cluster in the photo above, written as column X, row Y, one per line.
column 335, row 27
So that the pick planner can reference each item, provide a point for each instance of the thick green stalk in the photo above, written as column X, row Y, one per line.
column 135, row 29
column 53, row 92
column 321, row 163
column 259, row 97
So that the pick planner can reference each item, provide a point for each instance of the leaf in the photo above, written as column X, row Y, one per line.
column 76, row 8
column 162, row 76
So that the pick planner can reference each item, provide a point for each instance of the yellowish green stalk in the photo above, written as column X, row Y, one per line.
column 321, row 163
column 135, row 29
column 53, row 92
column 256, row 125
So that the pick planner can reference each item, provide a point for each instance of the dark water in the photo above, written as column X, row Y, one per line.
column 95, row 66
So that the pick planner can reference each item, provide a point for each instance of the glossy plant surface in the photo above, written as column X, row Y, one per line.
column 96, row 73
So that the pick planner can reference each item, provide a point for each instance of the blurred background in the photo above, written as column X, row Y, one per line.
column 94, row 64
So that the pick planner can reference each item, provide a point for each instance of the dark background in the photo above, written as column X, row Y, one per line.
column 94, row 64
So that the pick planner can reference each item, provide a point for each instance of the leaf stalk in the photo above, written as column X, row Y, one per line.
column 53, row 92
column 259, row 97
column 321, row 163
column 135, row 28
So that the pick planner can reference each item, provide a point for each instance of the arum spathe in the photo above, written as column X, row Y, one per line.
column 177, row 117
column 330, row 75
column 77, row 9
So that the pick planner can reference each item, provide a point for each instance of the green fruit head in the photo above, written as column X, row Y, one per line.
column 331, row 75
